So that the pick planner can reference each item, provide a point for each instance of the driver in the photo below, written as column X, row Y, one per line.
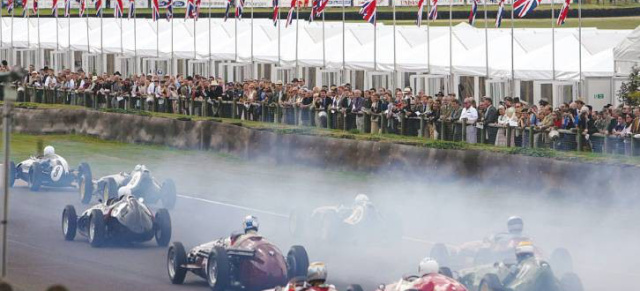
column 504, row 240
column 49, row 151
column 428, row 266
column 360, row 204
column 250, row 226
column 317, row 277
column 525, row 255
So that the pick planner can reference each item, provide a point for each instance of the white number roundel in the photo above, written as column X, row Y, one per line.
column 56, row 173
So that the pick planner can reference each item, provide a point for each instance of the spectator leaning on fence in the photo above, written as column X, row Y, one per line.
column 469, row 115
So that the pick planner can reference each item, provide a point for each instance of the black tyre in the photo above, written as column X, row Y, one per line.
column 163, row 227
column 168, row 194
column 12, row 174
column 440, row 253
column 561, row 262
column 571, row 282
column 218, row 269
column 110, row 189
column 69, row 222
column 297, row 262
column 490, row 282
column 35, row 176
column 176, row 259
column 354, row 287
column 446, row 272
column 97, row 229
column 85, row 183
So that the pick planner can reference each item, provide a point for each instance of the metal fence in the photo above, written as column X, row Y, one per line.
column 363, row 122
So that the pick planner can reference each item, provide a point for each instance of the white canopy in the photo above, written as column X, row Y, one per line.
column 418, row 49
column 627, row 52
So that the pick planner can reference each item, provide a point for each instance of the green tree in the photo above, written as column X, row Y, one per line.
column 630, row 91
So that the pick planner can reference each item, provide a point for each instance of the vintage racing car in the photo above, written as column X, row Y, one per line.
column 122, row 220
column 360, row 221
column 247, row 262
column 138, row 183
column 48, row 169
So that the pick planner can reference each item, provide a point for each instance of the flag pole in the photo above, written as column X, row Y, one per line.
column 86, row 12
column 513, row 72
column 297, row 20
column 580, row 47
column 38, row 23
column 279, row 64
column 57, row 27
column 395, row 69
column 344, row 67
column 375, row 45
column 235, row 24
column 324, row 46
column 209, row 30
column 158, row 33
column 135, row 38
column 451, row 82
column 553, row 41
column 486, row 40
column 252, row 64
column 101, row 40
column 195, row 53
column 12, row 14
column 172, row 54
column 428, row 38
column 28, row 26
column 69, row 33
column 121, row 30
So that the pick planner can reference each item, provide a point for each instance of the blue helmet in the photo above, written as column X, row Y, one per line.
column 250, row 223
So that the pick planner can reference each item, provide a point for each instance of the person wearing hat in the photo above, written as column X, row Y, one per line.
column 544, row 101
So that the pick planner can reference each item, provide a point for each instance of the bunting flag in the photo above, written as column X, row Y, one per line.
column 239, row 8
column 9, row 6
column 25, row 9
column 196, row 13
column 500, row 13
column 67, row 8
column 522, row 7
column 473, row 12
column 98, row 8
column 433, row 13
column 564, row 12
column 369, row 11
column 290, row 14
column 226, row 12
column 420, row 9
column 54, row 8
column 276, row 9
column 35, row 6
column 118, row 10
column 155, row 14
column 132, row 8
column 83, row 6
column 170, row 10
column 317, row 8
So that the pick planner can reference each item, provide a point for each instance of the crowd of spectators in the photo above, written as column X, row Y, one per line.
column 347, row 104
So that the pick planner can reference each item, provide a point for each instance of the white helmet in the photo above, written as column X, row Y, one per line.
column 250, row 223
column 428, row 266
column 49, row 151
column 317, row 272
column 515, row 225
column 361, row 199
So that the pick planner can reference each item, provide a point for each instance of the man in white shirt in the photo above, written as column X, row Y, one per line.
column 470, row 115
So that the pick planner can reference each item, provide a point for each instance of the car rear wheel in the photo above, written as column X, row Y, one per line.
column 85, row 183
column 297, row 262
column 96, row 228
column 35, row 171
column 163, row 227
column 218, row 269
column 69, row 222
column 561, row 261
column 176, row 259
column 168, row 194
column 110, row 189
column 12, row 173
column 490, row 282
column 354, row 287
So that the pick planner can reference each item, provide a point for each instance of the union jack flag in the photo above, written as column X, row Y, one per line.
column 472, row 13
column 54, row 8
column 9, row 6
column 420, row 9
column 317, row 8
column 35, row 6
column 197, row 12
column 132, row 8
column 500, row 13
column 433, row 13
column 368, row 11
column 290, row 14
column 522, row 7
column 191, row 8
column 563, row 13
column 239, row 8
column 25, row 9
column 98, row 7
column 276, row 12
column 170, row 10
column 83, row 6
column 117, row 11
column 155, row 15
column 226, row 11
column 67, row 8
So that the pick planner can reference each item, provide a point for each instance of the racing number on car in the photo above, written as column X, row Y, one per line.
column 56, row 174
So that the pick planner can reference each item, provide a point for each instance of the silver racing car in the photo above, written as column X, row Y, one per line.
column 48, row 169
column 125, row 220
column 138, row 183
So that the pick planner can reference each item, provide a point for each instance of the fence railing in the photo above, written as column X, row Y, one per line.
column 333, row 118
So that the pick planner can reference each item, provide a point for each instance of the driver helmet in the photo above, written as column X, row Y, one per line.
column 49, row 151
column 250, row 223
column 428, row 266
column 524, row 250
column 317, row 273
column 515, row 225
column 361, row 199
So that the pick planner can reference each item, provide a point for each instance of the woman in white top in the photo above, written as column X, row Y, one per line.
column 501, row 136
